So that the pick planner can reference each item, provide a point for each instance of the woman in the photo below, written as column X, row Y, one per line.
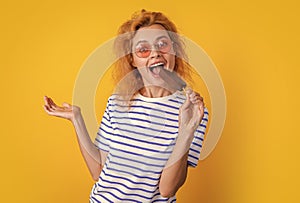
column 145, row 144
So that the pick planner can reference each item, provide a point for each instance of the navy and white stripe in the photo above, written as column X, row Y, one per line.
column 139, row 141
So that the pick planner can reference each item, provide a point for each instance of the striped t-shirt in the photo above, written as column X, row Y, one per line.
column 139, row 140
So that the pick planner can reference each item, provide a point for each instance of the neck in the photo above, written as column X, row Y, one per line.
column 154, row 92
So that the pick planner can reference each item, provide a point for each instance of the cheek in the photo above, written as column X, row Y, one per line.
column 138, row 62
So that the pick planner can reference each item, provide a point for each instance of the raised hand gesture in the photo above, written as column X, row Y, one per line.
column 66, row 111
column 191, row 112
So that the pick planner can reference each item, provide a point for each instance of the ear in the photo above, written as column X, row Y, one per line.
column 132, row 62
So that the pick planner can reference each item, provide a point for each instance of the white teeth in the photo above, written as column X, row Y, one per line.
column 155, row 65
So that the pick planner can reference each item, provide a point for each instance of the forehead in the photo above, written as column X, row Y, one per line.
column 150, row 33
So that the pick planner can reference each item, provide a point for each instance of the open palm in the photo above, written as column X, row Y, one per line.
column 66, row 111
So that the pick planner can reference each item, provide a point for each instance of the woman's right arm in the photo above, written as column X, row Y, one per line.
column 90, row 153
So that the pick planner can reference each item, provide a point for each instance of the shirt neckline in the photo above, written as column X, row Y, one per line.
column 157, row 99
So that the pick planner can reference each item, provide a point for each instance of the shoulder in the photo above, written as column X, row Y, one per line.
column 115, row 98
column 206, row 111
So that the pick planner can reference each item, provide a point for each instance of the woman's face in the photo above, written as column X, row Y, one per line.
column 151, row 47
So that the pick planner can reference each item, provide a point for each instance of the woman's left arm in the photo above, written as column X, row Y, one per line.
column 190, row 116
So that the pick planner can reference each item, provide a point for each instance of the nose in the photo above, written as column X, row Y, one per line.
column 155, row 53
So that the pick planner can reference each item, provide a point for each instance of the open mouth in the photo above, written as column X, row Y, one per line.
column 172, row 80
column 155, row 68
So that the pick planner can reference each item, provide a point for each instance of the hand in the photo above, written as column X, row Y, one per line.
column 66, row 111
column 191, row 112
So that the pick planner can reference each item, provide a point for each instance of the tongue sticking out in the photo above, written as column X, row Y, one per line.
column 156, row 69
column 173, row 81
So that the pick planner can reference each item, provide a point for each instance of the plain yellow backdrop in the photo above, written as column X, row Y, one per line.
column 254, row 44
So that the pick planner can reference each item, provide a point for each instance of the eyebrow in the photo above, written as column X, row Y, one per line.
column 158, row 38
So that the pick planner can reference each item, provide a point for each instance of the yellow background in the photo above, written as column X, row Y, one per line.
column 254, row 44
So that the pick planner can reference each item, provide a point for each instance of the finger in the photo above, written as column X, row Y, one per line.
column 46, row 101
column 196, row 99
column 202, row 108
column 49, row 105
column 196, row 94
column 193, row 94
column 195, row 102
column 187, row 102
column 66, row 105
column 50, row 102
column 48, row 110
column 188, row 90
column 52, row 112
column 199, row 103
column 46, row 105
column 53, row 105
column 53, row 108
column 198, row 112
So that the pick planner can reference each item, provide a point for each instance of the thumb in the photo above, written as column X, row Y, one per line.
column 66, row 105
column 187, row 102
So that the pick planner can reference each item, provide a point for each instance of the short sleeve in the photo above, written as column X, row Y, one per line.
column 105, row 131
column 196, row 146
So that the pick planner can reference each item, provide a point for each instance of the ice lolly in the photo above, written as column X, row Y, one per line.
column 172, row 79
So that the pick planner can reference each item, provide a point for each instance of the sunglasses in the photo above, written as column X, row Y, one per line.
column 143, row 49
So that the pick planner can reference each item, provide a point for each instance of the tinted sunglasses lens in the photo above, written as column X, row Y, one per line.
column 164, row 45
column 143, row 53
column 143, row 50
